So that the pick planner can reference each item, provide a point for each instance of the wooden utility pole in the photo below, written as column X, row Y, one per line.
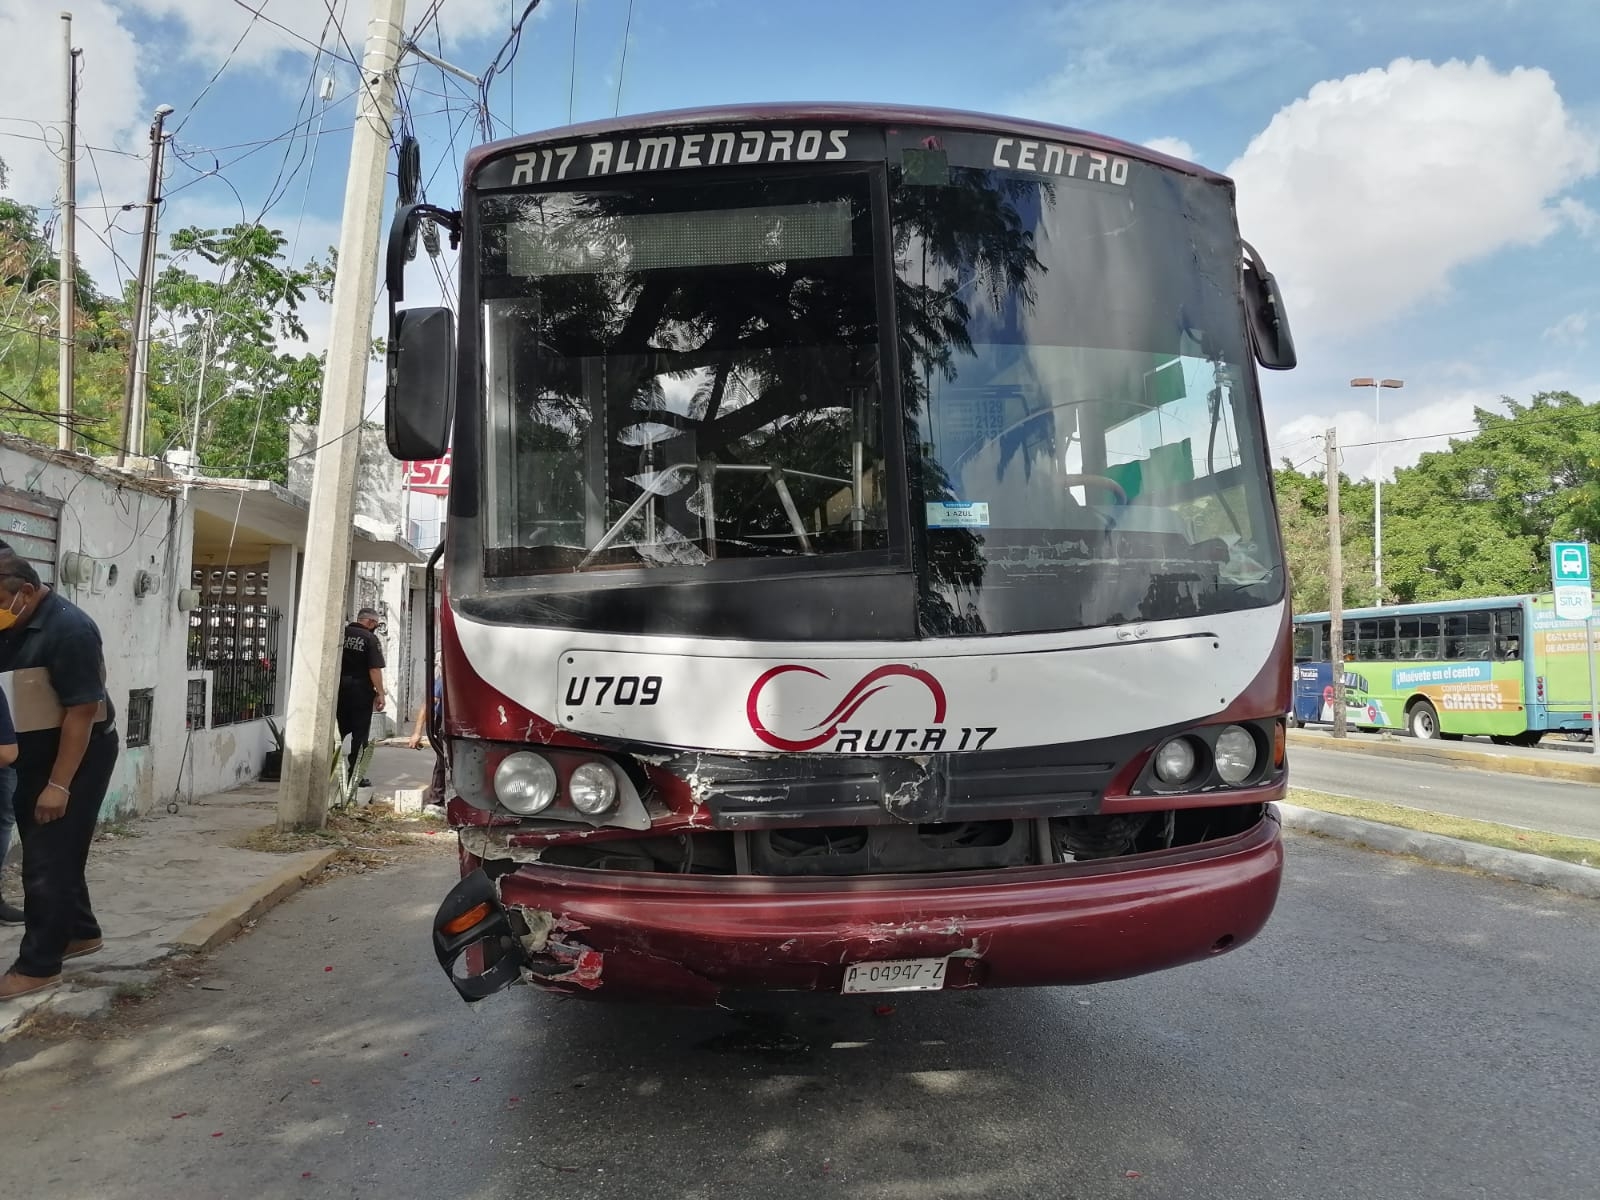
column 133, row 394
column 314, row 672
column 67, row 275
column 1335, row 585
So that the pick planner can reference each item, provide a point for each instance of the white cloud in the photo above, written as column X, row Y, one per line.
column 1176, row 147
column 1580, row 216
column 1136, row 53
column 1368, row 192
column 112, row 118
column 1425, row 428
column 1571, row 330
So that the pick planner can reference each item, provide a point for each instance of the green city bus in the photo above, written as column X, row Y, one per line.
column 1506, row 668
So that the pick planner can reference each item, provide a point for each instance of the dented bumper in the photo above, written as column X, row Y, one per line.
column 686, row 938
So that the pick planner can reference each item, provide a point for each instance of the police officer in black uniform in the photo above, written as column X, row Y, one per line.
column 360, row 684
column 66, row 752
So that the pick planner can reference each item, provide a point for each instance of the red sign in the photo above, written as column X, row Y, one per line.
column 430, row 478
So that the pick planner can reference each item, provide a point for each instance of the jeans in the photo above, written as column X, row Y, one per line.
column 55, row 893
column 8, row 818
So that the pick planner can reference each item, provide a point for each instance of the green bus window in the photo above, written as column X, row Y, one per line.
column 1386, row 639
column 1428, row 634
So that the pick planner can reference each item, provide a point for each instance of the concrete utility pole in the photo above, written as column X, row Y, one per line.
column 313, row 678
column 67, row 275
column 1335, row 585
column 134, row 392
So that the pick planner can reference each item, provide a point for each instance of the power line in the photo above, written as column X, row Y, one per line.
column 572, row 72
column 226, row 62
column 503, row 59
column 1509, row 422
column 55, row 142
column 261, row 13
column 623, row 69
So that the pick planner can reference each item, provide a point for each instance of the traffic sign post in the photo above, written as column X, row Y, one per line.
column 1574, row 595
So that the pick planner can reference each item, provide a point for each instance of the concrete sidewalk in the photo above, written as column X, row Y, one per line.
column 172, row 883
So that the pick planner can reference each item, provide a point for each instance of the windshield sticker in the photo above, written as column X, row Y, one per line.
column 674, row 151
column 958, row 514
column 1052, row 158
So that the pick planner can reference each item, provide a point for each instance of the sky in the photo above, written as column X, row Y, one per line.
column 1423, row 178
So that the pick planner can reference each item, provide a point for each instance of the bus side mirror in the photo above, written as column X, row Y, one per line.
column 1269, row 324
column 420, row 396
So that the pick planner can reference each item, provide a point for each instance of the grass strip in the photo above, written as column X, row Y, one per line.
column 1583, row 851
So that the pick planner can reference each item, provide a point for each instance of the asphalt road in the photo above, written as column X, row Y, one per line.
column 1398, row 1031
column 1549, row 804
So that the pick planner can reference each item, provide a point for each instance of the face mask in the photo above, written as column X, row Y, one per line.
column 8, row 616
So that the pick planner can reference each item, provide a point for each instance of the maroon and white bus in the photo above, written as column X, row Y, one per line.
column 862, row 569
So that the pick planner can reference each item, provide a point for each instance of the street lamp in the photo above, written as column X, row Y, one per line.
column 1377, row 386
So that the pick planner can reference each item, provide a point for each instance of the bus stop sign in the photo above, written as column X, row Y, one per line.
column 1569, row 573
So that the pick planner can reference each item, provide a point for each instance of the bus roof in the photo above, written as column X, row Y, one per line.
column 880, row 114
column 1436, row 606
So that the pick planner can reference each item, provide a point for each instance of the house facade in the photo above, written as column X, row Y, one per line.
column 194, row 583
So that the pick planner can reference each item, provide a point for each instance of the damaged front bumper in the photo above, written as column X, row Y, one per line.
column 691, row 939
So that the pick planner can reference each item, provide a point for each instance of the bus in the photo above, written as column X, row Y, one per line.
column 1506, row 668
column 862, row 571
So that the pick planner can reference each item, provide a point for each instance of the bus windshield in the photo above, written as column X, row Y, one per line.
column 696, row 371
column 683, row 374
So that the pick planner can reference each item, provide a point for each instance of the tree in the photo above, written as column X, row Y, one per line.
column 221, row 364
column 29, row 323
column 1474, row 520
column 1303, row 515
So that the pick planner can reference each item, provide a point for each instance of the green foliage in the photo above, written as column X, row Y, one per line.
column 228, row 337
column 1473, row 520
column 223, row 355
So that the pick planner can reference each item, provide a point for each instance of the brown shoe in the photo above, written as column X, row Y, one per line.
column 78, row 947
column 13, row 985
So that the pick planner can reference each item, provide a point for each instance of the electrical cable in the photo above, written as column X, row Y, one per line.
column 226, row 62
column 623, row 69
column 572, row 72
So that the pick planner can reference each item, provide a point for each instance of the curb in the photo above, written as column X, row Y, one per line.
column 1515, row 865
column 228, row 918
column 1482, row 760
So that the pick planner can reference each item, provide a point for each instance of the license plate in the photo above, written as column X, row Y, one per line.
column 895, row 975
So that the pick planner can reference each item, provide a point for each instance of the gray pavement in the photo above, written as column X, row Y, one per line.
column 1397, row 1031
column 1552, row 749
column 1553, row 805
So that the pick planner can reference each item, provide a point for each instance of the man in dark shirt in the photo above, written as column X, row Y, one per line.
column 360, row 684
column 10, row 914
column 50, row 654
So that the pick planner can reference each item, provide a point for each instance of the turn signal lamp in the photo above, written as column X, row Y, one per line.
column 467, row 919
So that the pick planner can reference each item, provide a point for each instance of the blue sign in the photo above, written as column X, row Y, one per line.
column 1461, row 672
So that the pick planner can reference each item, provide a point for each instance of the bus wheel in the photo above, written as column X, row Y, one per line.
column 1423, row 721
column 1528, row 737
column 1501, row 739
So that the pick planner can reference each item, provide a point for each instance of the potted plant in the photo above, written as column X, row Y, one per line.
column 272, row 765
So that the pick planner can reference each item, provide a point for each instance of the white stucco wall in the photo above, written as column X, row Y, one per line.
column 123, row 526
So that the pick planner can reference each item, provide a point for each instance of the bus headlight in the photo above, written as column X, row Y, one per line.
column 1175, row 761
column 525, row 783
column 592, row 789
column 1236, row 754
